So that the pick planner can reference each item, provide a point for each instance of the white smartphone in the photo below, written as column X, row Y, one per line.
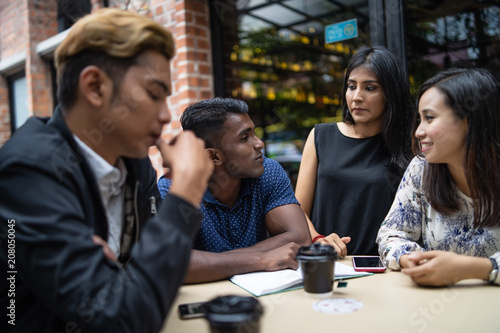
column 368, row 264
column 191, row 310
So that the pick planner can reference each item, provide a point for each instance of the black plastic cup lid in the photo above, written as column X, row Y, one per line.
column 232, row 308
column 317, row 251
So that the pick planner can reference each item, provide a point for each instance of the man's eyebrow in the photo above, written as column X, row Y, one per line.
column 250, row 129
column 153, row 81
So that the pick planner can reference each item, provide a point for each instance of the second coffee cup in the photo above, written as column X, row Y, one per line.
column 317, row 263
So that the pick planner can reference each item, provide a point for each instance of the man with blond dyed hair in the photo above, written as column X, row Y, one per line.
column 87, row 247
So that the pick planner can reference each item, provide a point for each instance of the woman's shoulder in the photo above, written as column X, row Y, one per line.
column 327, row 129
column 418, row 163
column 414, row 172
column 325, row 126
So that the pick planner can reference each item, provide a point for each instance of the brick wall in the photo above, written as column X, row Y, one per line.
column 192, row 78
column 14, row 27
column 42, row 22
column 13, row 40
column 4, row 113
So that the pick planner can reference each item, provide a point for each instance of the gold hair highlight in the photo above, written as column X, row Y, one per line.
column 116, row 32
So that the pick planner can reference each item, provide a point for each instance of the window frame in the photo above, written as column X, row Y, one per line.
column 11, row 93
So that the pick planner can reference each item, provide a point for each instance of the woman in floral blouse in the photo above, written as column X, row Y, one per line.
column 444, row 224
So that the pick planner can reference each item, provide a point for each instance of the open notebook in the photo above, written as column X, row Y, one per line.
column 264, row 283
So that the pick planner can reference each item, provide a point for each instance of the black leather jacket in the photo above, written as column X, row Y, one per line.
column 59, row 281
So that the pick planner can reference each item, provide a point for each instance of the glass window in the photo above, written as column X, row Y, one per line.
column 445, row 34
column 276, row 59
column 18, row 101
column 68, row 12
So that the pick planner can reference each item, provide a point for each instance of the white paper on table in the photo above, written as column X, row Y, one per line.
column 263, row 283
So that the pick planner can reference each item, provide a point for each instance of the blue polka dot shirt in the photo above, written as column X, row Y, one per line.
column 243, row 225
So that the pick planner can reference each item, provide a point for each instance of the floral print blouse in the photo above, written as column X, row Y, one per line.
column 413, row 225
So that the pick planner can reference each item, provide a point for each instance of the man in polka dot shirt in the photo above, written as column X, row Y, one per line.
column 252, row 220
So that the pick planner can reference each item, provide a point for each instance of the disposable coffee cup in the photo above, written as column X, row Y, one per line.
column 317, row 263
column 234, row 314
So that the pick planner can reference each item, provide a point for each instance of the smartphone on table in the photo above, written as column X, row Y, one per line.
column 191, row 310
column 368, row 264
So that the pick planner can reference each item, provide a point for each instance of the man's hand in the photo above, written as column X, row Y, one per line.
column 189, row 164
column 281, row 257
column 339, row 243
column 105, row 248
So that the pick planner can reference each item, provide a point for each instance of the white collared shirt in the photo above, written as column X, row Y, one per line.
column 111, row 181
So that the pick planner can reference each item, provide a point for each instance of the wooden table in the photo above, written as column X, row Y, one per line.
column 391, row 303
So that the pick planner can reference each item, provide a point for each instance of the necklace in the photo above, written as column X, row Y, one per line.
column 355, row 134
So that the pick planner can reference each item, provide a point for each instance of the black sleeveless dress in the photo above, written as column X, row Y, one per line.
column 355, row 187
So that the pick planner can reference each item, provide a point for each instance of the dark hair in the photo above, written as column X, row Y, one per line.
column 472, row 94
column 114, row 67
column 206, row 118
column 400, row 105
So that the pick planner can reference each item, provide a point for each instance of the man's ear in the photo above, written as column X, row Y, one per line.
column 94, row 85
column 216, row 156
